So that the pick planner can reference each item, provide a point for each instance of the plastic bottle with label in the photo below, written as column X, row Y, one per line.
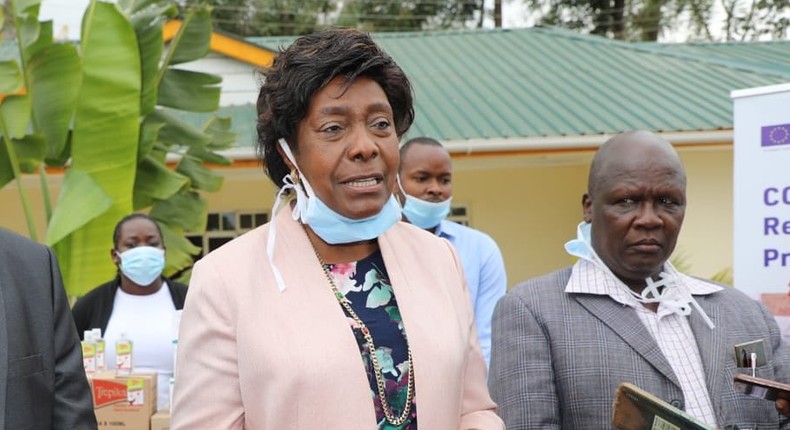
column 101, row 360
column 88, row 352
column 123, row 355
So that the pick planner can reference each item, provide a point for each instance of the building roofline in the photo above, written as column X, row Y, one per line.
column 228, row 45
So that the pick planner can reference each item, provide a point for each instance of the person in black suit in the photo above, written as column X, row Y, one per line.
column 41, row 371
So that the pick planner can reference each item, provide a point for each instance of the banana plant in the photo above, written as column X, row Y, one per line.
column 103, row 110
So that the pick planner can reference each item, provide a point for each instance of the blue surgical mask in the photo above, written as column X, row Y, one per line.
column 425, row 214
column 142, row 264
column 422, row 213
column 331, row 226
column 582, row 246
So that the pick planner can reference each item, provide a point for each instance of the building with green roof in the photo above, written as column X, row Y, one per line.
column 522, row 111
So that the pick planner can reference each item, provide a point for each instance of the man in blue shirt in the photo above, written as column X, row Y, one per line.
column 426, row 181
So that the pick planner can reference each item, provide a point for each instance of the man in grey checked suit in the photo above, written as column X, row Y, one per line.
column 42, row 380
column 563, row 342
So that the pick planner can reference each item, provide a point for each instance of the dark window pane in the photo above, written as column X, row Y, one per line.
column 229, row 221
column 261, row 219
column 213, row 222
column 216, row 242
column 245, row 221
column 458, row 211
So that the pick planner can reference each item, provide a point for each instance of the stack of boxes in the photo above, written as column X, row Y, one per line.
column 122, row 398
column 124, row 402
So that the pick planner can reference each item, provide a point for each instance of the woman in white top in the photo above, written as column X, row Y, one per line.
column 139, row 304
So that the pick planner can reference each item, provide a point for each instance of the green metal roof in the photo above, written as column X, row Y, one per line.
column 504, row 84
column 500, row 84
column 763, row 56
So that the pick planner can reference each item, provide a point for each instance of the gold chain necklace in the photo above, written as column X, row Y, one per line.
column 341, row 298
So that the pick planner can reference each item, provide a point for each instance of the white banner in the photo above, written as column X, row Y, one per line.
column 761, row 217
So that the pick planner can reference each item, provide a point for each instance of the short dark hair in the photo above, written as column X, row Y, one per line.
column 116, row 235
column 421, row 140
column 308, row 65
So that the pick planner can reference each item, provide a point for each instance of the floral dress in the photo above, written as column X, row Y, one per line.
column 366, row 285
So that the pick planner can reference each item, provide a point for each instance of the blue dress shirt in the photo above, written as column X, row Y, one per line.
column 484, row 271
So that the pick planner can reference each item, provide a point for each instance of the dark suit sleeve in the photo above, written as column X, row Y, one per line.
column 80, row 313
column 73, row 407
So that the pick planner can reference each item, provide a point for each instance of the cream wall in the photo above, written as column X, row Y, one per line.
column 12, row 216
column 530, row 204
column 706, row 237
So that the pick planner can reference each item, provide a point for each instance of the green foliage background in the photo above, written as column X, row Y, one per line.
column 104, row 111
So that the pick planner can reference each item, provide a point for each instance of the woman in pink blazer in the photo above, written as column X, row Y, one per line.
column 335, row 315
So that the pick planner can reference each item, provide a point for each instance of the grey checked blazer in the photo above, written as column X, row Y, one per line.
column 558, row 358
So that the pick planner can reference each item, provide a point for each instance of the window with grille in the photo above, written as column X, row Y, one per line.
column 222, row 227
column 459, row 214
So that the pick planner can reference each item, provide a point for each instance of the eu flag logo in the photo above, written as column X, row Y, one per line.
column 775, row 135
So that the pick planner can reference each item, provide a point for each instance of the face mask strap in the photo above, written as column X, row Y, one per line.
column 400, row 184
column 300, row 178
column 291, row 181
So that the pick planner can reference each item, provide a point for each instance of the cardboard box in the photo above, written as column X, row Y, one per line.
column 161, row 419
column 124, row 402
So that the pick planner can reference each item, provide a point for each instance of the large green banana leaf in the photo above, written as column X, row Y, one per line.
column 148, row 21
column 55, row 82
column 54, row 97
column 10, row 77
column 104, row 143
column 96, row 106
column 185, row 210
column 15, row 116
column 193, row 40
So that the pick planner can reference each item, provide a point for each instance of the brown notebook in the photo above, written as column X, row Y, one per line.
column 636, row 409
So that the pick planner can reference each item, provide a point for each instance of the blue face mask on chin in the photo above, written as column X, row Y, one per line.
column 422, row 213
column 330, row 226
column 425, row 214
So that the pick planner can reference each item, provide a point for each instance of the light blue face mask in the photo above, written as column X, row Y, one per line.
column 582, row 246
column 422, row 213
column 425, row 214
column 330, row 226
column 142, row 264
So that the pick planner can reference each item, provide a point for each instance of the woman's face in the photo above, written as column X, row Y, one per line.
column 348, row 147
column 136, row 232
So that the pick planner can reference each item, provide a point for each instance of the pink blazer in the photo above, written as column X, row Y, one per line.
column 252, row 357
